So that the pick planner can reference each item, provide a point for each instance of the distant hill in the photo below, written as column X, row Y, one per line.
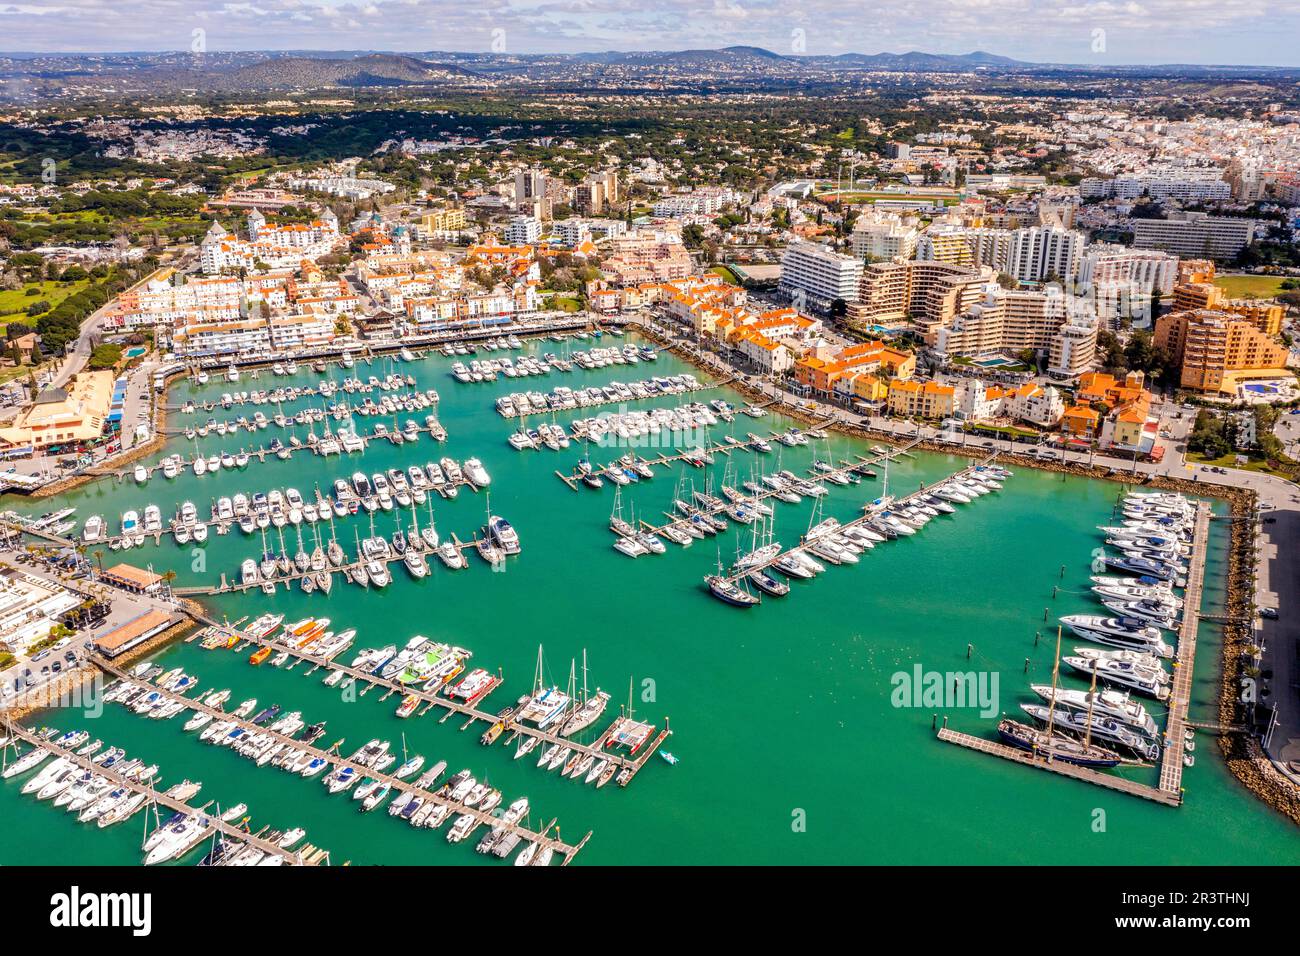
column 375, row 69
column 126, row 76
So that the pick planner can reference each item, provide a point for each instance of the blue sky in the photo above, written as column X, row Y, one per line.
column 1069, row 31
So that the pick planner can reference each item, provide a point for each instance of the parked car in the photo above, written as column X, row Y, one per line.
column 1268, row 612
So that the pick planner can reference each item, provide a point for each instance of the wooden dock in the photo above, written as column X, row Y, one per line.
column 263, row 452
column 157, row 535
column 227, row 829
column 1180, row 694
column 1085, row 774
column 339, row 761
column 55, row 539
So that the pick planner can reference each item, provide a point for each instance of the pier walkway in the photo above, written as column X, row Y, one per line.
column 160, row 798
column 339, row 761
column 55, row 539
column 1180, row 694
column 263, row 452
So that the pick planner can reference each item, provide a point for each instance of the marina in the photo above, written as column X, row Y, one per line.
column 305, row 854
column 524, row 404
column 511, row 720
column 1175, row 757
column 339, row 762
column 399, row 491
column 571, row 580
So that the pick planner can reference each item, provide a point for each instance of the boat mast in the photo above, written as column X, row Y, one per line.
column 584, row 675
column 1092, row 697
column 1051, row 707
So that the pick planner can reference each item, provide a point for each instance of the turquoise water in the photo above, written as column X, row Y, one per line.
column 790, row 748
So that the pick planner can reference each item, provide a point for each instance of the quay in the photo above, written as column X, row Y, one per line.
column 1169, row 791
column 566, row 850
column 312, row 855
column 1180, row 694
column 370, row 350
column 470, row 711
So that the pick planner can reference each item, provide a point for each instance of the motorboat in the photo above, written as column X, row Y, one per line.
column 1125, row 632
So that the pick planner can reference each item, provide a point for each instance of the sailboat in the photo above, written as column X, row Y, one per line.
column 589, row 711
column 616, row 522
column 729, row 591
column 1050, row 744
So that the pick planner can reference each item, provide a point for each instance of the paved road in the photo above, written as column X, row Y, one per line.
column 91, row 332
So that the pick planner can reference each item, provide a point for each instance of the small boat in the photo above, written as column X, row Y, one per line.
column 729, row 592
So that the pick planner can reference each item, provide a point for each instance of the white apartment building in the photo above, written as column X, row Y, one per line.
column 1195, row 235
column 305, row 331
column 819, row 274
column 275, row 247
column 202, row 339
column 574, row 230
column 347, row 187
column 523, row 231
column 699, row 202
column 437, row 313
column 530, row 186
column 1074, row 348
column 1181, row 185
column 1150, row 270
column 884, row 237
column 1037, row 253
column 1007, row 322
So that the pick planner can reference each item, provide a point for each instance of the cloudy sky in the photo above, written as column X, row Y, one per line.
column 1070, row 31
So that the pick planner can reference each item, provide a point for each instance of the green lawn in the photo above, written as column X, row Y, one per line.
column 14, row 302
column 1253, row 463
column 726, row 274
column 1250, row 287
column 8, row 374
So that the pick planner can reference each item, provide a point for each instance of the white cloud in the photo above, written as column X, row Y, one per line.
column 1242, row 31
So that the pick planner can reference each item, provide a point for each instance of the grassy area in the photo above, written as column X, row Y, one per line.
column 1253, row 463
column 1008, row 430
column 1250, row 287
column 727, row 274
column 566, row 303
column 14, row 302
column 8, row 374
